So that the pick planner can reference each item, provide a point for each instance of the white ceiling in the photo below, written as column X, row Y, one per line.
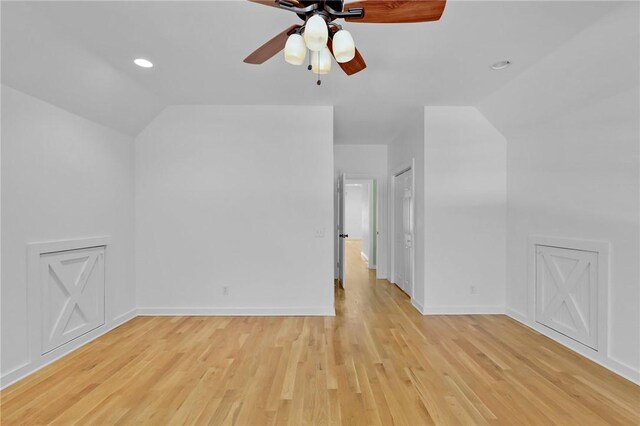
column 78, row 55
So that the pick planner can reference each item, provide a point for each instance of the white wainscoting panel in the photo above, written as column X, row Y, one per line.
column 72, row 285
column 567, row 292
column 66, row 289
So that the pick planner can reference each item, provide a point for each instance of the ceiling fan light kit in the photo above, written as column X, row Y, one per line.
column 316, row 33
column 321, row 61
column 295, row 51
column 325, row 38
column 344, row 48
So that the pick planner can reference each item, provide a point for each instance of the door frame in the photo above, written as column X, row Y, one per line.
column 399, row 170
column 340, row 254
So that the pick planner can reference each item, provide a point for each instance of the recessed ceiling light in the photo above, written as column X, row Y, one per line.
column 500, row 65
column 144, row 63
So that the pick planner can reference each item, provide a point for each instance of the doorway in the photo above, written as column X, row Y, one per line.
column 402, row 224
column 358, row 225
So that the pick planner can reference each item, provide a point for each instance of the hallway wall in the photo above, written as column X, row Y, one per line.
column 354, row 207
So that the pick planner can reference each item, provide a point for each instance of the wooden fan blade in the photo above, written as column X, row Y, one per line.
column 274, row 3
column 355, row 65
column 396, row 11
column 270, row 48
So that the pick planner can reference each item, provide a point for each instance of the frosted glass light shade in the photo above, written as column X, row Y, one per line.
column 316, row 33
column 295, row 50
column 344, row 49
column 321, row 61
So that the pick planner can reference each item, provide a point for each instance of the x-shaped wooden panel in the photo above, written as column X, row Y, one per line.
column 73, row 292
column 565, row 287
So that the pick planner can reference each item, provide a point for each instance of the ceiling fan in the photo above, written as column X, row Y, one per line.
column 325, row 38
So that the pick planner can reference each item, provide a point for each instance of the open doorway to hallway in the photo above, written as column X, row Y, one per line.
column 358, row 227
column 360, row 224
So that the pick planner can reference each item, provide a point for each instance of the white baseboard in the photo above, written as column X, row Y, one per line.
column 236, row 312
column 518, row 316
column 31, row 367
column 463, row 310
column 599, row 357
column 364, row 257
column 418, row 306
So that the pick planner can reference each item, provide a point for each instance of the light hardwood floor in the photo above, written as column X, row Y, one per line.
column 377, row 362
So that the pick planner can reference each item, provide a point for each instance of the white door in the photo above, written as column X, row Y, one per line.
column 567, row 292
column 342, row 255
column 72, row 285
column 403, row 231
column 407, row 231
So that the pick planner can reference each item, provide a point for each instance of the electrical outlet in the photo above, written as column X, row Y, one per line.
column 473, row 289
column 225, row 290
column 319, row 233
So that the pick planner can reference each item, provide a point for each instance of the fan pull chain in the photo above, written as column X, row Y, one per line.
column 309, row 67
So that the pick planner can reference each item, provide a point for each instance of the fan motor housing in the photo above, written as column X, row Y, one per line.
column 336, row 5
column 333, row 4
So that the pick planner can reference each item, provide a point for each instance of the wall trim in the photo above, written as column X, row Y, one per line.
column 464, row 310
column 516, row 315
column 600, row 358
column 64, row 245
column 417, row 305
column 230, row 311
column 30, row 367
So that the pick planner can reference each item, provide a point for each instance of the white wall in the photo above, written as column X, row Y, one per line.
column 353, row 211
column 231, row 196
column 367, row 161
column 63, row 177
column 573, row 166
column 408, row 146
column 465, row 212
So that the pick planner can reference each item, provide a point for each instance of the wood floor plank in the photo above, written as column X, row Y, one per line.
column 378, row 362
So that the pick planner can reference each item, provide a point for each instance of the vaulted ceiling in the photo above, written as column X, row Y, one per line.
column 78, row 55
